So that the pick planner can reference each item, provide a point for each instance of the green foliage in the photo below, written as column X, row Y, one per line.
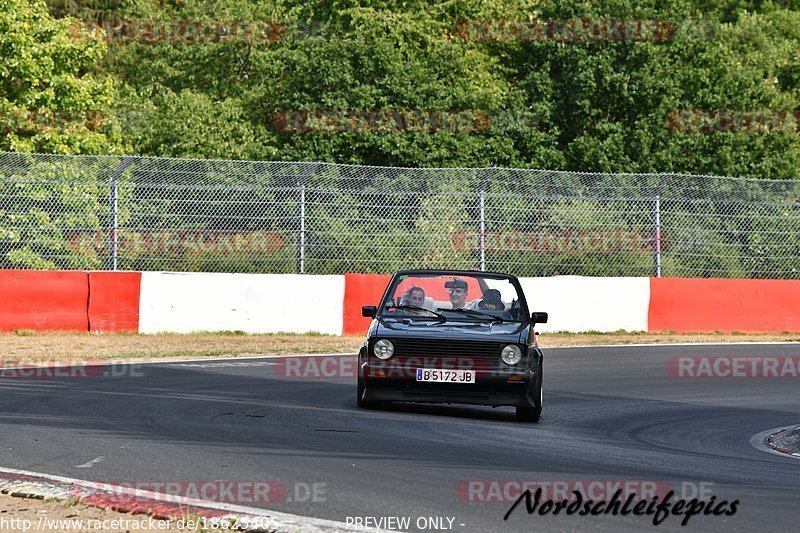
column 48, row 100
column 590, row 106
column 584, row 106
column 54, row 201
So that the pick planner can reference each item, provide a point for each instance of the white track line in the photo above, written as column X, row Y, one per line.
column 232, row 358
column 92, row 462
column 668, row 344
column 221, row 358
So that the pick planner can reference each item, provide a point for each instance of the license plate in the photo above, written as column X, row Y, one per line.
column 445, row 376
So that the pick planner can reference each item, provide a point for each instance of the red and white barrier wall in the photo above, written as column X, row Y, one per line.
column 254, row 303
column 151, row 302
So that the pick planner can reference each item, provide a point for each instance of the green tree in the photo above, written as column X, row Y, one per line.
column 49, row 99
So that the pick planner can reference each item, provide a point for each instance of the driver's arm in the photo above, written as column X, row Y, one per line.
column 482, row 283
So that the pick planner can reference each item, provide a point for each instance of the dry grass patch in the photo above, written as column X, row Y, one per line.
column 50, row 346
column 667, row 337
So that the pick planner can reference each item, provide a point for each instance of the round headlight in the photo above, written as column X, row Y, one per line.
column 511, row 355
column 383, row 349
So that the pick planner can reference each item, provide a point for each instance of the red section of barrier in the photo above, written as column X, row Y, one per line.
column 43, row 300
column 685, row 305
column 114, row 301
column 359, row 290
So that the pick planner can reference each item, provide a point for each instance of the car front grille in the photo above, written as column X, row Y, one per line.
column 447, row 348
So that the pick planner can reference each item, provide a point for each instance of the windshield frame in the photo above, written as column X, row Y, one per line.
column 402, row 275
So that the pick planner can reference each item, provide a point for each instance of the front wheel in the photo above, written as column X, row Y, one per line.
column 532, row 414
column 360, row 401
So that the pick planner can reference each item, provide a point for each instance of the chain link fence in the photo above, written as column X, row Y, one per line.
column 135, row 213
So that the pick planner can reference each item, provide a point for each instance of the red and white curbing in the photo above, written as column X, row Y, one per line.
column 786, row 441
column 783, row 441
column 26, row 484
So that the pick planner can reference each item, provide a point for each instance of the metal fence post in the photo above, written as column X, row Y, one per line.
column 657, row 237
column 657, row 226
column 482, row 223
column 301, row 251
column 301, row 237
column 113, row 202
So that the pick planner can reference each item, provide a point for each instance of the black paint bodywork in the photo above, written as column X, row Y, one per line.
column 462, row 344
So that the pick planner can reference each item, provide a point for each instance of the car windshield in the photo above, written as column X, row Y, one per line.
column 462, row 297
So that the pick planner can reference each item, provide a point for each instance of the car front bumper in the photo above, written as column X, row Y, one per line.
column 491, row 388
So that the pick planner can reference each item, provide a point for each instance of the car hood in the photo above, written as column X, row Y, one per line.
column 485, row 331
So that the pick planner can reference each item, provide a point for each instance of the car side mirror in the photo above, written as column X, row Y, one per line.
column 538, row 318
column 369, row 311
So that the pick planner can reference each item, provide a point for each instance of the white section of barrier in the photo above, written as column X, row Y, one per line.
column 577, row 303
column 181, row 302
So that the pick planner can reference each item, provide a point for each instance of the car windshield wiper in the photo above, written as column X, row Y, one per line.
column 439, row 316
column 473, row 312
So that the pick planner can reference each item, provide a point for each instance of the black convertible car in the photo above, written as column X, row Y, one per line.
column 451, row 336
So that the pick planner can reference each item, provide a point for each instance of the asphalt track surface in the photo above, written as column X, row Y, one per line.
column 610, row 414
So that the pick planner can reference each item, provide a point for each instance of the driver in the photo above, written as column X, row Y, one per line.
column 458, row 289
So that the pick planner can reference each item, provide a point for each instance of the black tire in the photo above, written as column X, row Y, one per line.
column 532, row 414
column 364, row 404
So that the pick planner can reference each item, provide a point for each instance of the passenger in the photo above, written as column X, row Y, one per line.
column 491, row 304
column 415, row 297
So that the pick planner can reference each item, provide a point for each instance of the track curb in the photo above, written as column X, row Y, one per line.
column 786, row 441
column 35, row 485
